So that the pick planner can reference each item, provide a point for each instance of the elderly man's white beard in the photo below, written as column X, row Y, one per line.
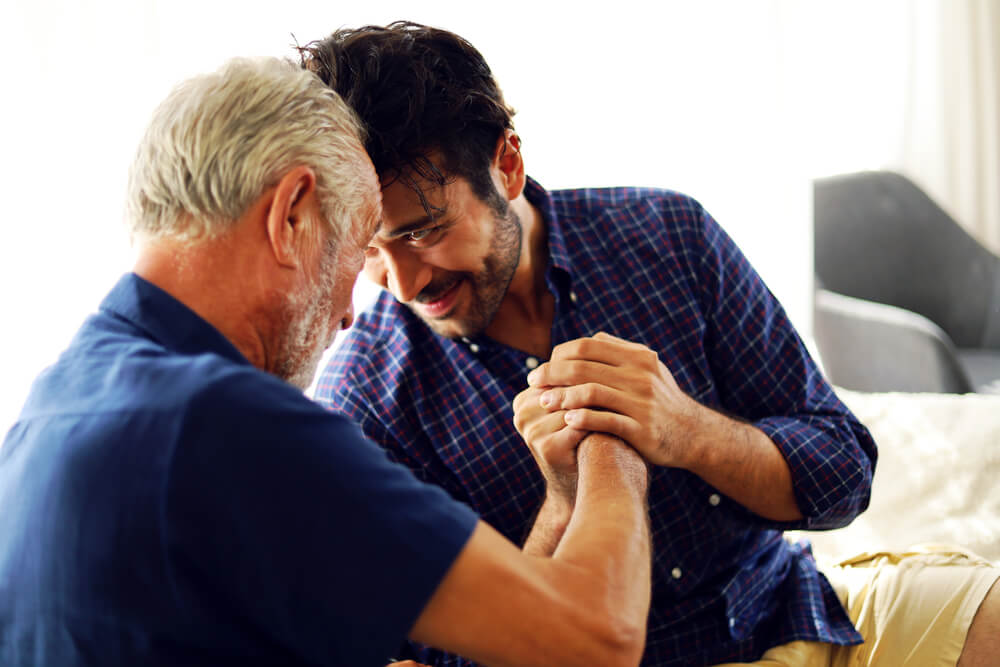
column 304, row 346
column 310, row 327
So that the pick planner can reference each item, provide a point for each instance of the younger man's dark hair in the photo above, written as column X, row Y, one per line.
column 417, row 90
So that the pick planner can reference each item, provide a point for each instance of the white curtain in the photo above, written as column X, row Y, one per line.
column 951, row 145
column 912, row 86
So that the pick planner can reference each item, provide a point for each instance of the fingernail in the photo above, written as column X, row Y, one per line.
column 572, row 417
column 532, row 376
column 545, row 399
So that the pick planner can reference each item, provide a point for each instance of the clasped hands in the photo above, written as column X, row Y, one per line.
column 608, row 385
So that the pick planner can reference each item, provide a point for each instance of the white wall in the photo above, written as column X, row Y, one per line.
column 703, row 96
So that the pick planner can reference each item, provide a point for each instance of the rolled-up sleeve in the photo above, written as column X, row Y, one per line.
column 765, row 375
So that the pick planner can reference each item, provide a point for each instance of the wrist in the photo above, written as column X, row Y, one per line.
column 557, row 503
column 603, row 455
column 716, row 441
column 689, row 442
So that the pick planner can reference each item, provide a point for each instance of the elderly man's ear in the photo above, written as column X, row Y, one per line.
column 293, row 210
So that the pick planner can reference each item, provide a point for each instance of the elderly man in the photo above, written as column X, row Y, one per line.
column 620, row 310
column 169, row 496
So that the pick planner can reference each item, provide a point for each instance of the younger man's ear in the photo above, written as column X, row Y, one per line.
column 290, row 208
column 508, row 165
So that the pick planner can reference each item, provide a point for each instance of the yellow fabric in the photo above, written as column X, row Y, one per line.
column 914, row 609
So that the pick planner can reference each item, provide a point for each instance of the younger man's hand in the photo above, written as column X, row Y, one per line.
column 608, row 385
column 552, row 443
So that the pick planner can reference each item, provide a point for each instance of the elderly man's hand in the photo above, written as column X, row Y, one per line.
column 606, row 384
column 552, row 443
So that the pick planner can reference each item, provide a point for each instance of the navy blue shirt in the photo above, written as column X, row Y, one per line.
column 163, row 502
column 650, row 266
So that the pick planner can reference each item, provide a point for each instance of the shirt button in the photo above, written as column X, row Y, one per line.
column 531, row 363
column 573, row 297
column 714, row 499
column 474, row 348
column 465, row 339
column 676, row 573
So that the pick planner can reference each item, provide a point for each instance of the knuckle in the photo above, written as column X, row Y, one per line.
column 567, row 442
column 591, row 392
column 540, row 374
column 585, row 347
column 562, row 350
column 546, row 449
column 523, row 399
column 574, row 371
column 531, row 434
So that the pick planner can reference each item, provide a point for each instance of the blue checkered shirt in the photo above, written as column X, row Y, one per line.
column 649, row 266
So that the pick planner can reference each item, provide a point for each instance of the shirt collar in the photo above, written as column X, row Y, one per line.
column 166, row 320
column 539, row 197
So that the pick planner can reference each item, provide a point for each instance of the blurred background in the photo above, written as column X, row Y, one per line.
column 740, row 103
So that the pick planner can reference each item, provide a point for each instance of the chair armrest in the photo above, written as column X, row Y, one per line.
column 868, row 346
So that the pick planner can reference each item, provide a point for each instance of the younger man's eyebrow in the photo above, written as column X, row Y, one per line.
column 412, row 226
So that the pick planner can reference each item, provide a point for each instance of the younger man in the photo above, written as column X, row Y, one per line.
column 694, row 363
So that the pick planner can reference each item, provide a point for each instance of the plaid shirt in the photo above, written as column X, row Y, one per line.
column 649, row 266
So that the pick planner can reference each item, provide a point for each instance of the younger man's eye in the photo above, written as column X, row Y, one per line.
column 420, row 234
column 426, row 235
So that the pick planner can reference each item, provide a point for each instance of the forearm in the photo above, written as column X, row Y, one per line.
column 549, row 527
column 608, row 534
column 613, row 476
column 742, row 462
column 587, row 605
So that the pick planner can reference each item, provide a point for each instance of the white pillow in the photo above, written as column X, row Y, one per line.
column 937, row 478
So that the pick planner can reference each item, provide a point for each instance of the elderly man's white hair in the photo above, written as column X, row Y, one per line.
column 219, row 140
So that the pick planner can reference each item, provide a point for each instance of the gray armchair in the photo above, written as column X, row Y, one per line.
column 880, row 240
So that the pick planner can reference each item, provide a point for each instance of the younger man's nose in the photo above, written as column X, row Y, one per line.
column 406, row 275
